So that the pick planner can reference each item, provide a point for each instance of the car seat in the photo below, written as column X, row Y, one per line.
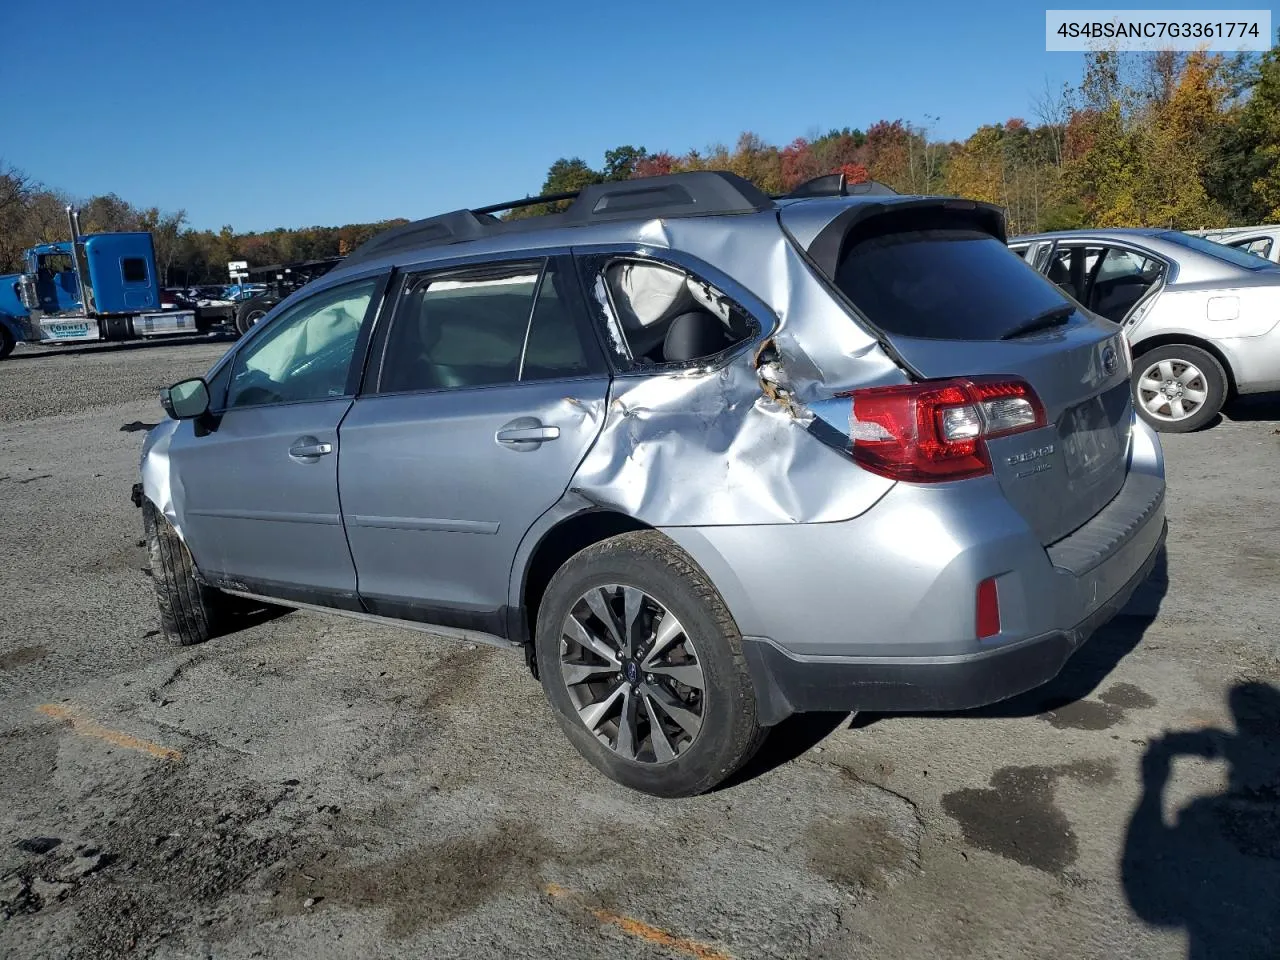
column 1059, row 275
column 697, row 333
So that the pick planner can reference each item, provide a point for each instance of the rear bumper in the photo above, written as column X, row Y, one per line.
column 878, row 612
column 786, row 683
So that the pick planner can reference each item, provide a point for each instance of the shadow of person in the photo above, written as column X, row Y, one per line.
column 1214, row 871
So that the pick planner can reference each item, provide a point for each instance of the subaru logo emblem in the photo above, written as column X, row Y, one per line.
column 632, row 671
column 1109, row 359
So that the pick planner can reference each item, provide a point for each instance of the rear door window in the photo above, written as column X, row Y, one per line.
column 1071, row 269
column 951, row 284
column 1122, row 279
column 496, row 324
column 660, row 316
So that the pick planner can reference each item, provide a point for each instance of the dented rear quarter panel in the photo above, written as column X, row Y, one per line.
column 729, row 444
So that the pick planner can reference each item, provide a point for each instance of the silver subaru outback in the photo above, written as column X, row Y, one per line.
column 709, row 457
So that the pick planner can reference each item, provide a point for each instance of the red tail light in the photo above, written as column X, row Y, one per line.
column 988, row 619
column 937, row 430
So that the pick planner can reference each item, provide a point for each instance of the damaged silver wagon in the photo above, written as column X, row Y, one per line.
column 709, row 457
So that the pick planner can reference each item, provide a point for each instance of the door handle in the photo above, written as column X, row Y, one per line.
column 528, row 434
column 309, row 449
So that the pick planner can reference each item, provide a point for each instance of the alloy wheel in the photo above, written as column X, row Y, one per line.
column 633, row 673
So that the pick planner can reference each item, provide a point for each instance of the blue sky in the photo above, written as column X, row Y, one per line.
column 289, row 114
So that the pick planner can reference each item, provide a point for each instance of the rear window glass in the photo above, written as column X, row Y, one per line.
column 943, row 284
column 1219, row 250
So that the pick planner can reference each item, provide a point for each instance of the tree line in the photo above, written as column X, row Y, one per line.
column 1182, row 140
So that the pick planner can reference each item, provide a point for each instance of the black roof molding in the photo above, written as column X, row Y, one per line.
column 699, row 193
column 452, row 227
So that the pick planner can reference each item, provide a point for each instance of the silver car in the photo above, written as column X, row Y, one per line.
column 709, row 458
column 1203, row 319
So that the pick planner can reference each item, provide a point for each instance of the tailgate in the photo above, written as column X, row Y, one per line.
column 1058, row 477
column 934, row 279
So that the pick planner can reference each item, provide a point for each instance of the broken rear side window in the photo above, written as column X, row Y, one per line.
column 943, row 284
column 670, row 316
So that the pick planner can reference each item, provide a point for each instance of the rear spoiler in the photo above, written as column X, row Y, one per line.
column 837, row 185
column 862, row 220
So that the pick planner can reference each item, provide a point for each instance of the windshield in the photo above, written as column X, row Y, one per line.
column 1221, row 251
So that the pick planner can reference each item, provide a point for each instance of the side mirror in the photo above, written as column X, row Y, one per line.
column 186, row 400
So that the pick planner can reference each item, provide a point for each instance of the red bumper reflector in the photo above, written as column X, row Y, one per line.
column 988, row 620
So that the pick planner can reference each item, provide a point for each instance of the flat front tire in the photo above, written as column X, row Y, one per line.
column 643, row 666
column 190, row 612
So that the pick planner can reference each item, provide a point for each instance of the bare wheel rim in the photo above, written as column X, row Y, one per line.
column 1172, row 389
column 632, row 673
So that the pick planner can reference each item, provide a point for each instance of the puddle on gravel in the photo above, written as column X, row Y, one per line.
column 1128, row 697
column 1017, row 817
column 1110, row 708
column 22, row 656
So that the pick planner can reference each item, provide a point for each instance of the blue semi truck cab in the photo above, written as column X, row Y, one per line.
column 100, row 286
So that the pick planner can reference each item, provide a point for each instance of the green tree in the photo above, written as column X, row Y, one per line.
column 620, row 162
column 568, row 175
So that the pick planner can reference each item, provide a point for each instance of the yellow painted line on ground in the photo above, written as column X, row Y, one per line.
column 88, row 727
column 646, row 931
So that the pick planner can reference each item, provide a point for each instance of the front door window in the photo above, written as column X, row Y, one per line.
column 305, row 354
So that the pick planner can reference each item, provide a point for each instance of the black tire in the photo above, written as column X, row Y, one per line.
column 730, row 731
column 249, row 313
column 7, row 343
column 189, row 611
column 1212, row 376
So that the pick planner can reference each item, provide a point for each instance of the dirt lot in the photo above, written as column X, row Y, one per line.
column 317, row 787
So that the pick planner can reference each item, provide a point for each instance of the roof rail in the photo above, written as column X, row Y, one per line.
column 837, row 185
column 526, row 202
column 699, row 193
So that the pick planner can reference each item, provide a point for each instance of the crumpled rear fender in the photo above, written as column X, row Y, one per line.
column 737, row 444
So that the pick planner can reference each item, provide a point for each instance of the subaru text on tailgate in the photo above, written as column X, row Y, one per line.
column 710, row 458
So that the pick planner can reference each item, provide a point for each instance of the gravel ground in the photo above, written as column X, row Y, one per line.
column 315, row 787
column 38, row 382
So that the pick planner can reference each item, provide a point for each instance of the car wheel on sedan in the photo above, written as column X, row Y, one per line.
column 643, row 665
column 189, row 611
column 1178, row 388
